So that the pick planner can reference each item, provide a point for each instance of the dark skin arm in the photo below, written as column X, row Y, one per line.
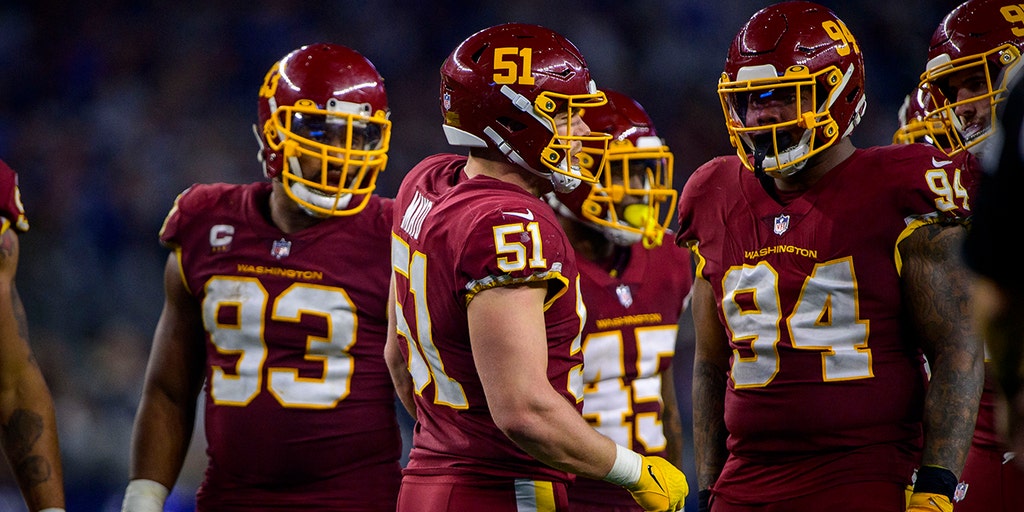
column 710, row 367
column 936, row 291
column 174, row 377
column 27, row 417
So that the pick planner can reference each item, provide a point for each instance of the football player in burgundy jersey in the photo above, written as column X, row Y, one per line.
column 486, row 348
column 634, row 288
column 973, row 57
column 825, row 274
column 275, row 309
column 29, row 440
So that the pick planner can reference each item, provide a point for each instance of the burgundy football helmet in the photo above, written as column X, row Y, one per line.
column 795, row 49
column 503, row 88
column 983, row 39
column 633, row 199
column 12, row 211
column 921, row 120
column 327, row 102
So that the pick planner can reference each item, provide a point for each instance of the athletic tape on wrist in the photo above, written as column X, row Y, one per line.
column 935, row 480
column 626, row 469
column 143, row 495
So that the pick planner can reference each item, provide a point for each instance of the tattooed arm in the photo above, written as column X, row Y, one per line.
column 936, row 289
column 28, row 429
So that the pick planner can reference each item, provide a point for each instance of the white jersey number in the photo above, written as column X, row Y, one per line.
column 825, row 319
column 244, row 337
column 608, row 404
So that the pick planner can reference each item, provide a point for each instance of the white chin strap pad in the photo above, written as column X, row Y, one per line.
column 319, row 200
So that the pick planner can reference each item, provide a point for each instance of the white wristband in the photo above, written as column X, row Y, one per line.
column 626, row 469
column 144, row 496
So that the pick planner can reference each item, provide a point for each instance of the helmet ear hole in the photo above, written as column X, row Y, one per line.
column 852, row 96
column 510, row 124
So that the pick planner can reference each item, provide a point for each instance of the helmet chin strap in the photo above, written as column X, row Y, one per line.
column 763, row 145
column 304, row 193
column 564, row 183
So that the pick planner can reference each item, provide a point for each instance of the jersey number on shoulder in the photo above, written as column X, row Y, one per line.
column 609, row 405
column 425, row 364
column 512, row 256
column 825, row 319
column 948, row 193
column 234, row 313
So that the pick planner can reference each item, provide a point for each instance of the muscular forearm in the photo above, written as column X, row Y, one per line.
column 542, row 430
column 937, row 292
column 160, row 440
column 709, row 432
column 950, row 412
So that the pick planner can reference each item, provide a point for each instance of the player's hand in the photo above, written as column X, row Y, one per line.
column 662, row 487
column 929, row 502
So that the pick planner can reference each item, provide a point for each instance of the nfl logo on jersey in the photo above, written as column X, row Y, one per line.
column 625, row 295
column 281, row 248
column 781, row 224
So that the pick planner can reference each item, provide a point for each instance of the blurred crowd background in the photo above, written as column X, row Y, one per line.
column 110, row 108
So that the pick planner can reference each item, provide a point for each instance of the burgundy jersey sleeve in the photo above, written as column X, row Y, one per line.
column 809, row 294
column 452, row 238
column 628, row 343
column 12, row 211
column 299, row 405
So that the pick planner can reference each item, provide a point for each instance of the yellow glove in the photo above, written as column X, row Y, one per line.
column 661, row 488
column 929, row 502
